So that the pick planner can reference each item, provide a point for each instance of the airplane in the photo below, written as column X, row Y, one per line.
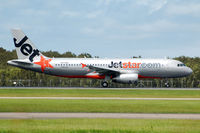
column 118, row 70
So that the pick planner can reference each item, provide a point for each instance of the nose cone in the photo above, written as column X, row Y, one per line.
column 189, row 71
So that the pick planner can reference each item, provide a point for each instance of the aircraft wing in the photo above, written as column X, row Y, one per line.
column 105, row 71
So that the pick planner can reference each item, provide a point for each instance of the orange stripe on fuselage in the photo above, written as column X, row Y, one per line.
column 83, row 76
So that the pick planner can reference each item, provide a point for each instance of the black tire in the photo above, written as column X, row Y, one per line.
column 167, row 85
column 104, row 84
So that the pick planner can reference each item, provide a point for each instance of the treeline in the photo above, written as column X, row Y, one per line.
column 12, row 76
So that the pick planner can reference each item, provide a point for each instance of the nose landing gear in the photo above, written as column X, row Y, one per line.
column 167, row 85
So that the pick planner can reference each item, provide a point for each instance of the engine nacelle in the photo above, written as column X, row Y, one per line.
column 126, row 78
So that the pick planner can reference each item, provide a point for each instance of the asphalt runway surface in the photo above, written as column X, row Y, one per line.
column 96, row 115
column 98, row 98
column 99, row 88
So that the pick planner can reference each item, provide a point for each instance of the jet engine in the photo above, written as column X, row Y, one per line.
column 126, row 78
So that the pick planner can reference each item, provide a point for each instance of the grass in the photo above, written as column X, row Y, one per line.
column 99, row 126
column 125, row 106
column 99, row 93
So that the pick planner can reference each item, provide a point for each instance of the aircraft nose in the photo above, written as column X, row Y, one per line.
column 189, row 71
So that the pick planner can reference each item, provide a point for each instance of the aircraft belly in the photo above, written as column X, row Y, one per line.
column 68, row 71
column 153, row 73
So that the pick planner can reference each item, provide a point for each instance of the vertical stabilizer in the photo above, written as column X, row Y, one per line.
column 24, row 47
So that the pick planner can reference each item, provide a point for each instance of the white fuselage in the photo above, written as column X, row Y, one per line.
column 145, row 68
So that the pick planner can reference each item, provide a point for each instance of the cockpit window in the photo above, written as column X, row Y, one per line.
column 180, row 65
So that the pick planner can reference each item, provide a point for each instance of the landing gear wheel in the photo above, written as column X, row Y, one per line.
column 104, row 84
column 167, row 84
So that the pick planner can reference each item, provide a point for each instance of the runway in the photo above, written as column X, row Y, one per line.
column 98, row 98
column 98, row 88
column 96, row 115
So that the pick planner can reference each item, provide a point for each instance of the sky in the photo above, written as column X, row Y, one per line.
column 106, row 28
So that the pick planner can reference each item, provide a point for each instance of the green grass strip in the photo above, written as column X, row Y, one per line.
column 120, row 106
column 99, row 93
column 99, row 126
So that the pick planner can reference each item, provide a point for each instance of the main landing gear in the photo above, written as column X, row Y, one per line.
column 104, row 84
column 167, row 84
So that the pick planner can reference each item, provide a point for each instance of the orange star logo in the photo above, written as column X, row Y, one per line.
column 44, row 63
column 83, row 65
